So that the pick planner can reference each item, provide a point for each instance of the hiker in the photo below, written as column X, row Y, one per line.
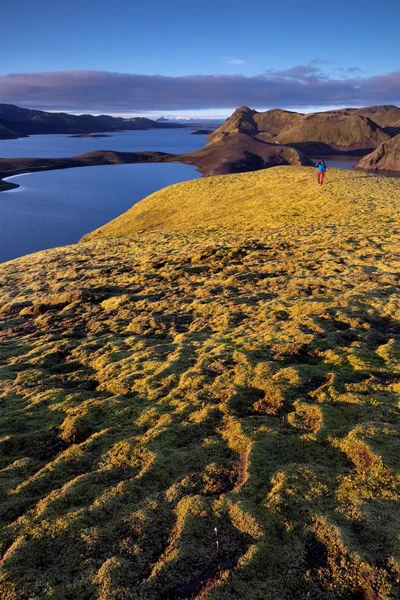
column 321, row 166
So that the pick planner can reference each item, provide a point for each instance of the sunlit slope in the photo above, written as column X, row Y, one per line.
column 275, row 197
column 153, row 389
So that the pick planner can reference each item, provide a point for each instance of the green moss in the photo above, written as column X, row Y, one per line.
column 243, row 378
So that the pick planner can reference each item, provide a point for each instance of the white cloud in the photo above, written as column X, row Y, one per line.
column 235, row 61
column 103, row 91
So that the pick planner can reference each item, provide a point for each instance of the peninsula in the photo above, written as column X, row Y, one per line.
column 235, row 153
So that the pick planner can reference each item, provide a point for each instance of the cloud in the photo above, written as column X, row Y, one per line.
column 235, row 61
column 350, row 70
column 104, row 91
column 299, row 73
column 318, row 61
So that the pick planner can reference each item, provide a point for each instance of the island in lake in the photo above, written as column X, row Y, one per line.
column 90, row 135
column 202, row 131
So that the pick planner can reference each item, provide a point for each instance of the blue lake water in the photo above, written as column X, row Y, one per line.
column 54, row 208
column 53, row 146
column 338, row 161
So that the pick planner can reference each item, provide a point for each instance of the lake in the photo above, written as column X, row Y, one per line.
column 54, row 208
column 175, row 141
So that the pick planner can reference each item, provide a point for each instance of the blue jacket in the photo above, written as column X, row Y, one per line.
column 321, row 167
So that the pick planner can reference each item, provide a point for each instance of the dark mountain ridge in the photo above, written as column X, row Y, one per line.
column 24, row 121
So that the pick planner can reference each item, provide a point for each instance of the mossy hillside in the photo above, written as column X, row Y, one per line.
column 336, row 130
column 281, row 197
column 159, row 387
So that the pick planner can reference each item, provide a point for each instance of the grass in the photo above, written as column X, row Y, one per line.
column 282, row 197
column 209, row 383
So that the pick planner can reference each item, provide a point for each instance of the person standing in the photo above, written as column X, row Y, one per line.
column 321, row 166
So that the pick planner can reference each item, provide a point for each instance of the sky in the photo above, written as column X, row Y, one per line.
column 183, row 58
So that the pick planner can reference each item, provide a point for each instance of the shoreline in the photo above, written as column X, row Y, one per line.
column 6, row 186
column 239, row 153
column 13, row 167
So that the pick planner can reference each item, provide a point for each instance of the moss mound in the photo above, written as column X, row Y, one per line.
column 257, row 201
column 208, row 412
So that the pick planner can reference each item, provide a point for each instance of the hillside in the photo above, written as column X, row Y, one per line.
column 11, row 112
column 249, row 121
column 254, row 201
column 393, row 129
column 230, row 374
column 238, row 152
column 348, row 130
column 333, row 132
column 24, row 122
column 386, row 115
column 231, row 378
column 385, row 158
column 8, row 134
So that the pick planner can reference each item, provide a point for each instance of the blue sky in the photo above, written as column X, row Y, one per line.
column 337, row 41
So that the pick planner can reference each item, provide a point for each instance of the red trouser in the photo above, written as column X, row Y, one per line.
column 321, row 177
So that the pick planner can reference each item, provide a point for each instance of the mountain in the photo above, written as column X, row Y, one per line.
column 24, row 121
column 340, row 130
column 10, row 112
column 386, row 115
column 246, row 120
column 383, row 114
column 385, row 158
column 8, row 134
column 196, row 120
column 333, row 132
column 393, row 129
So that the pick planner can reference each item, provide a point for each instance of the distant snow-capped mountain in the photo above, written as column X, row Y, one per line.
column 191, row 120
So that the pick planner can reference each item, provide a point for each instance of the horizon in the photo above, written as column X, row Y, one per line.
column 192, row 116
